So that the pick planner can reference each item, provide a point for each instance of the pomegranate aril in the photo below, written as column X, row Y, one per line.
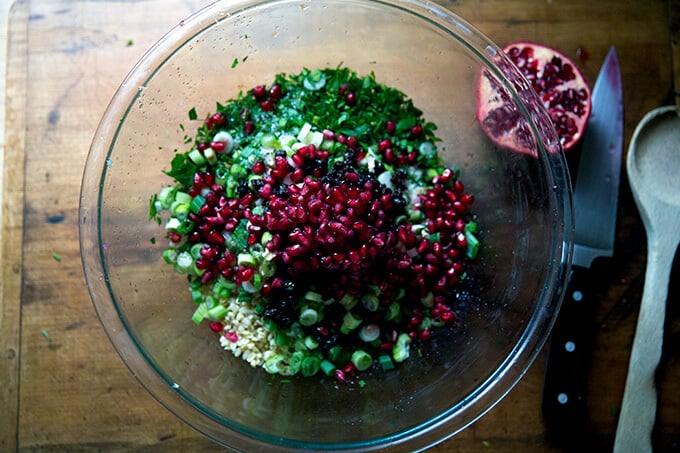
column 259, row 92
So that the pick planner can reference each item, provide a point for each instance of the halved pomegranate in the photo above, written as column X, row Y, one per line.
column 557, row 81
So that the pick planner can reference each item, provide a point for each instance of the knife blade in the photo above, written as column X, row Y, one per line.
column 595, row 204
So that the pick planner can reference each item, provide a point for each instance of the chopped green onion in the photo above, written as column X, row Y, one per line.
column 196, row 296
column 195, row 250
column 308, row 317
column 166, row 196
column 348, row 301
column 281, row 338
column 313, row 296
column 269, row 141
column 217, row 313
column 393, row 312
column 197, row 158
column 328, row 368
column 385, row 362
column 274, row 364
column 337, row 355
column 210, row 155
column 295, row 362
column 244, row 296
column 238, row 171
column 184, row 262
column 370, row 302
column 170, row 256
column 199, row 314
column 400, row 350
column 197, row 203
column 172, row 224
column 182, row 197
column 361, row 360
column 310, row 366
column 350, row 322
column 369, row 332
column 246, row 259
column 267, row 268
column 310, row 342
column 472, row 244
column 186, row 226
column 180, row 210
column 428, row 300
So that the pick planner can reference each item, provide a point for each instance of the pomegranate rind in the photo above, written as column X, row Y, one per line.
column 500, row 117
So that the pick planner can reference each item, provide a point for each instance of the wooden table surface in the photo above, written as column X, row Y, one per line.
column 62, row 386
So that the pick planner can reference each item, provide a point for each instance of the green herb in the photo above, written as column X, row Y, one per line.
column 46, row 335
column 234, row 63
column 192, row 114
column 152, row 240
column 486, row 443
column 153, row 211
column 128, row 43
column 56, row 256
column 182, row 170
column 239, row 237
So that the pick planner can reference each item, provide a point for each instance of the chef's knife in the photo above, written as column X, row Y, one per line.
column 595, row 202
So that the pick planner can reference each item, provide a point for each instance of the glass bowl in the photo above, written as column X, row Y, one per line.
column 523, row 205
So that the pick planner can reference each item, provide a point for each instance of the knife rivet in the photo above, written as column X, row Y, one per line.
column 570, row 346
column 562, row 398
column 577, row 296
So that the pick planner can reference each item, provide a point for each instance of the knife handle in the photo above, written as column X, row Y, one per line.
column 564, row 404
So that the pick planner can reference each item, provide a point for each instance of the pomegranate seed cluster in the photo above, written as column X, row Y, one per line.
column 319, row 230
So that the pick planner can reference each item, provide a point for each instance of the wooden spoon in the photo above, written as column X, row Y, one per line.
column 653, row 165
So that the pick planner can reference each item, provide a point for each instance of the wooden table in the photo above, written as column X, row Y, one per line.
column 62, row 386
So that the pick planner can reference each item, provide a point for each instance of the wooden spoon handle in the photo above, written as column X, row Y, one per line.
column 638, row 410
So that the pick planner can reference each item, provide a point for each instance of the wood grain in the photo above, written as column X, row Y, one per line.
column 11, row 228
column 75, row 394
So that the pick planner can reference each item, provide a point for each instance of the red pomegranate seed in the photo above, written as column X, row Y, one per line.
column 216, row 326
column 206, row 277
column 448, row 317
column 387, row 346
column 260, row 92
column 218, row 119
column 267, row 105
column 174, row 237
column 246, row 274
column 390, row 127
column 276, row 92
column 384, row 144
column 231, row 336
column 259, row 167
column 340, row 376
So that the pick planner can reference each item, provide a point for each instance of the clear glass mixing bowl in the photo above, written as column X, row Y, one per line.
column 523, row 204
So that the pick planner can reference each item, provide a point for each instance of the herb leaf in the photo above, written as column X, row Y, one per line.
column 182, row 170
